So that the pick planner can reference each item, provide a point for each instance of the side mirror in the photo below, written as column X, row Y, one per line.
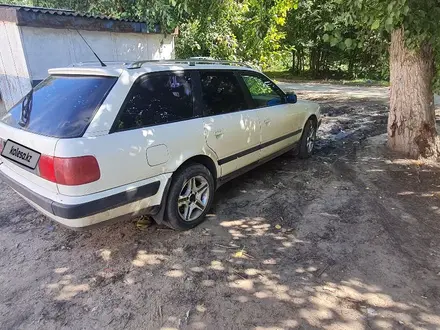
column 291, row 97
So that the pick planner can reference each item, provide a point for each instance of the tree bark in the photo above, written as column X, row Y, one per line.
column 300, row 62
column 350, row 65
column 411, row 121
column 293, row 61
column 318, row 61
column 312, row 60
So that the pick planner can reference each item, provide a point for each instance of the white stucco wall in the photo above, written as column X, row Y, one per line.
column 46, row 48
column 14, row 75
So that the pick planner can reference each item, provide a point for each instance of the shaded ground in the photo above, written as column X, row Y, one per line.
column 346, row 240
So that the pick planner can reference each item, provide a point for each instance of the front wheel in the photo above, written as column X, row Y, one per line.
column 307, row 142
column 190, row 197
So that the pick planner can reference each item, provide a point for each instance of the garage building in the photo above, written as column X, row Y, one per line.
column 33, row 40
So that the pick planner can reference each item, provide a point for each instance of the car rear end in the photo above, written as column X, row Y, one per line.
column 60, row 108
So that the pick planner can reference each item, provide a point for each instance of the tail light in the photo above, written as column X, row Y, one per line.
column 71, row 171
column 46, row 167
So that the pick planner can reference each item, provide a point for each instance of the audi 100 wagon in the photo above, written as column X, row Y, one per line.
column 90, row 143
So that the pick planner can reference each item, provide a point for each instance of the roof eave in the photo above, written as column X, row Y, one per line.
column 56, row 20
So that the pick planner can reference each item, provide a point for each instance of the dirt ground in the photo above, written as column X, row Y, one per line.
column 349, row 239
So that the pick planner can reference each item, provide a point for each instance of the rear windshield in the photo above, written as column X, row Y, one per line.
column 60, row 106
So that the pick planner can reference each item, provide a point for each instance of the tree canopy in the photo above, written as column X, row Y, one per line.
column 419, row 21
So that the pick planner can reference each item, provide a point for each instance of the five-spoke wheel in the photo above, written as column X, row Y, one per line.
column 193, row 198
column 190, row 197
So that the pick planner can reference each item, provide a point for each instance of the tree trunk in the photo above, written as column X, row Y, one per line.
column 321, row 60
column 350, row 66
column 411, row 121
column 318, row 61
column 293, row 61
column 300, row 61
column 312, row 60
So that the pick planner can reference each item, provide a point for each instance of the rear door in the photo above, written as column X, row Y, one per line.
column 280, row 123
column 232, row 130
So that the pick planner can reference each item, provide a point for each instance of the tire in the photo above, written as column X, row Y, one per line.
column 307, row 142
column 188, row 201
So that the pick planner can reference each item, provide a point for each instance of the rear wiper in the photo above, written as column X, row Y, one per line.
column 26, row 108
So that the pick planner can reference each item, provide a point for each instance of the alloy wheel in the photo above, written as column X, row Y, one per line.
column 311, row 138
column 193, row 198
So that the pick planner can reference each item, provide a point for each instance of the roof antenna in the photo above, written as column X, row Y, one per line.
column 102, row 63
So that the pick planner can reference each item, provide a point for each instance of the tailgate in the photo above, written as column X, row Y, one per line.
column 60, row 107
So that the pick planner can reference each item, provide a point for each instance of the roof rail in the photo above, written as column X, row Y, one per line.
column 191, row 62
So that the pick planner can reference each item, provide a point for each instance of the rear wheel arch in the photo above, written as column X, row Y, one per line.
column 204, row 160
column 182, row 194
column 314, row 118
column 308, row 137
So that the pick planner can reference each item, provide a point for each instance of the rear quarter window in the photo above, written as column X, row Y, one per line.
column 60, row 106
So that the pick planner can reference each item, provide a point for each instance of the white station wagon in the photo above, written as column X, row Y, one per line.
column 90, row 143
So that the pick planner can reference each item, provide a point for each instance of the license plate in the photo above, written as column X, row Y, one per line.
column 20, row 154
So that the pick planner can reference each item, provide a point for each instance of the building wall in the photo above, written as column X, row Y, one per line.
column 46, row 48
column 14, row 76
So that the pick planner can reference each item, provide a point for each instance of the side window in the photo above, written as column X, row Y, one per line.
column 157, row 99
column 263, row 92
column 222, row 93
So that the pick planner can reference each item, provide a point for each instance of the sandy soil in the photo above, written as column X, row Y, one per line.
column 349, row 239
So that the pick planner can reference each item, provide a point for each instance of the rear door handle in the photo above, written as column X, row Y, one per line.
column 218, row 133
column 267, row 121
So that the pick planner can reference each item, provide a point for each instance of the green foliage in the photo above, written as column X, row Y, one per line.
column 326, row 44
column 256, row 86
column 418, row 18
column 209, row 35
column 217, row 41
column 247, row 30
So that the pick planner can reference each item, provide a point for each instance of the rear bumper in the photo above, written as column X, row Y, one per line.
column 140, row 199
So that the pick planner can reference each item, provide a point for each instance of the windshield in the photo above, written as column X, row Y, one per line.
column 60, row 106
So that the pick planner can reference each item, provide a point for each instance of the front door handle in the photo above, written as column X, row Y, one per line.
column 218, row 133
column 267, row 121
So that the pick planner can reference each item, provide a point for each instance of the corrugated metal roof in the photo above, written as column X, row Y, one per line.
column 66, row 12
